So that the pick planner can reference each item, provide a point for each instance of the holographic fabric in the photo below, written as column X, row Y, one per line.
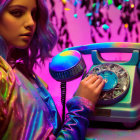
column 29, row 113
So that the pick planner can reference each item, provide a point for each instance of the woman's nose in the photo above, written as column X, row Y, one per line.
column 30, row 23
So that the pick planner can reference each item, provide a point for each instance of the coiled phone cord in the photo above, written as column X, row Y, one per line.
column 63, row 99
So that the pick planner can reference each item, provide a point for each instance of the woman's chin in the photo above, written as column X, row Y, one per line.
column 21, row 45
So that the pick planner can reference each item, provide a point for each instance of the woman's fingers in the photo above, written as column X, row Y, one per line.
column 95, row 81
column 91, row 79
column 98, row 81
column 100, row 86
column 88, row 77
column 90, row 88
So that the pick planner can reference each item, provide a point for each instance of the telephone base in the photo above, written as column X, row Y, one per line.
column 125, row 111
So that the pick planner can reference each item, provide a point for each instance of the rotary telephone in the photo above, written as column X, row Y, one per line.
column 119, row 100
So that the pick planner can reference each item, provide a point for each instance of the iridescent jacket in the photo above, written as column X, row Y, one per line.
column 29, row 113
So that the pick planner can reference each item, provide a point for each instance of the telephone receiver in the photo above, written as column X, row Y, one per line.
column 69, row 64
column 119, row 100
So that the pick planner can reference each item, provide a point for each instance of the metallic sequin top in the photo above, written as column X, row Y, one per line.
column 29, row 113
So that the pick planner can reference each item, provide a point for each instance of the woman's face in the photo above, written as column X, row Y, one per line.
column 18, row 23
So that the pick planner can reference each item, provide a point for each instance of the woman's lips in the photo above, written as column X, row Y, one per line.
column 26, row 37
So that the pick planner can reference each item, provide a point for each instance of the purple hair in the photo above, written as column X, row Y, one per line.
column 43, row 40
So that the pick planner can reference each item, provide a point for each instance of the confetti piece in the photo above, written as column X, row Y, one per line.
column 126, row 25
column 67, row 9
column 89, row 14
column 110, row 2
column 119, row 7
column 64, row 1
column 93, row 5
column 75, row 15
column 97, row 7
column 132, row 5
column 104, row 2
column 90, row 22
column 105, row 26
column 75, row 3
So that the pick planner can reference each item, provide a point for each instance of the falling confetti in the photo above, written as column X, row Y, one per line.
column 75, row 15
column 105, row 26
column 64, row 1
column 67, row 9
column 89, row 14
column 97, row 14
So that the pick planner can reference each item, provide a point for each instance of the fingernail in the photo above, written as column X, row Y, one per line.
column 105, row 80
column 100, row 77
column 95, row 75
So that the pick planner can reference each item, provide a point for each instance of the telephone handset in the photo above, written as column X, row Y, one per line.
column 121, row 47
column 64, row 61
column 126, row 47
column 119, row 100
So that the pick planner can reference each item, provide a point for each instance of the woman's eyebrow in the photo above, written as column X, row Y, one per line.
column 17, row 6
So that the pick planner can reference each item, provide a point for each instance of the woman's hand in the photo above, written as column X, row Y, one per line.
column 90, row 88
column 7, row 80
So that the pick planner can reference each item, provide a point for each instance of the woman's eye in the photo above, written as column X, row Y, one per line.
column 35, row 15
column 17, row 13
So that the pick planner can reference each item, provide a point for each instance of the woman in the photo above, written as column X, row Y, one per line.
column 27, row 110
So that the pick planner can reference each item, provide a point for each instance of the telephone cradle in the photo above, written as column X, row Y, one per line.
column 119, row 100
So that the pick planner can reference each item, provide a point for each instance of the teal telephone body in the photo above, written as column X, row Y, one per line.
column 119, row 100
